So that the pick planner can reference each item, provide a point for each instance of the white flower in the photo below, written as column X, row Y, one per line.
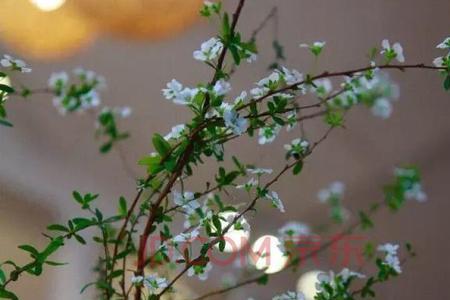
column 396, row 51
column 123, row 112
column 14, row 64
column 58, row 80
column 186, row 201
column 391, row 259
column 335, row 189
column 248, row 185
column 268, row 134
column 445, row 44
column 290, row 296
column 291, row 77
column 221, row 87
column 137, row 279
column 276, row 201
column 173, row 89
column 241, row 99
column 438, row 61
column 382, row 108
column 178, row 94
column 234, row 122
column 155, row 283
column 186, row 237
column 323, row 87
column 416, row 193
column 259, row 171
column 316, row 48
column 294, row 231
column 200, row 271
column 90, row 99
column 297, row 146
column 259, row 92
column 176, row 132
column 271, row 82
column 347, row 274
column 209, row 50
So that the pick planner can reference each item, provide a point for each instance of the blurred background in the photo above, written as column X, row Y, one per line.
column 139, row 45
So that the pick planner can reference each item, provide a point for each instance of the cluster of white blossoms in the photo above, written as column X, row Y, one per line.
column 153, row 282
column 336, row 281
column 391, row 259
column 297, row 147
column 289, row 295
column 76, row 97
column 200, row 271
column 179, row 94
column 443, row 61
column 276, row 201
column 268, row 134
column 14, row 64
column 119, row 111
column 186, row 237
column 186, row 201
column 176, row 132
column 376, row 91
column 411, row 185
column 392, row 52
column 322, row 87
column 293, row 231
column 335, row 189
column 209, row 50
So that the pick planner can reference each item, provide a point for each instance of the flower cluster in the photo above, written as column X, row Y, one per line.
column 14, row 64
column 407, row 186
column 331, row 286
column 392, row 52
column 373, row 89
column 332, row 195
column 391, row 259
column 179, row 94
column 79, row 96
column 297, row 148
column 153, row 282
column 209, row 50
column 293, row 231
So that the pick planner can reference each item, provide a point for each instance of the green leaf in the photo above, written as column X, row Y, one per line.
column 77, row 196
column 447, row 83
column 263, row 280
column 2, row 276
column 86, row 287
column 57, row 227
column 366, row 222
column 160, row 144
column 106, row 147
column 298, row 168
column 123, row 210
column 28, row 248
column 4, row 294
column 5, row 123
column 6, row 88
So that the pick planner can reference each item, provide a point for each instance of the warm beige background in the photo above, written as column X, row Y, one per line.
column 46, row 156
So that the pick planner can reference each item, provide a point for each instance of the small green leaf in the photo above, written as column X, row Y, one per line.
column 6, row 88
column 123, row 210
column 298, row 168
column 447, row 83
column 160, row 144
column 5, row 123
column 263, row 280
